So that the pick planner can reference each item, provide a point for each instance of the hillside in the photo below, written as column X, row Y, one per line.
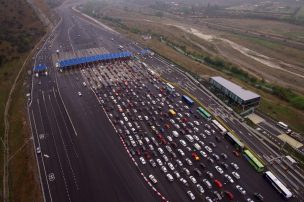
column 20, row 31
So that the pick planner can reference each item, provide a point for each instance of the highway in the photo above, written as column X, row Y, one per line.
column 82, row 157
column 80, row 160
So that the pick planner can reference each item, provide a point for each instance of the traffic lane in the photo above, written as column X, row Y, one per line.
column 63, row 145
column 269, row 129
column 42, row 170
column 51, row 165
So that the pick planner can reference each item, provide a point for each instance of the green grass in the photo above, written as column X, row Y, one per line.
column 300, row 13
column 292, row 117
column 21, row 30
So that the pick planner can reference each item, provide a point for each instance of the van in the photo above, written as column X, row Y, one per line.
column 189, row 138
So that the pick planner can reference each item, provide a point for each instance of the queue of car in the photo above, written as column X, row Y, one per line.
column 180, row 146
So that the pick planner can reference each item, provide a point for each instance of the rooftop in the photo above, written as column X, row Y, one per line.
column 235, row 89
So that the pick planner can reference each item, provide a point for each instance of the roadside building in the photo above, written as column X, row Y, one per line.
column 242, row 97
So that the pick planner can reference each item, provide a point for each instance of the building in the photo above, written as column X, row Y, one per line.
column 244, row 98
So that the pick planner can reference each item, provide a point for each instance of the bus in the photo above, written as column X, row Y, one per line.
column 236, row 143
column 219, row 126
column 253, row 161
column 277, row 184
column 170, row 87
column 204, row 113
column 187, row 100
column 284, row 126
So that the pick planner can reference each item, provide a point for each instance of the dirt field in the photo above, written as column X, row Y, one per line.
column 273, row 62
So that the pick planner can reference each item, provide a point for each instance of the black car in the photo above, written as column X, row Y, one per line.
column 132, row 152
column 258, row 196
column 203, row 166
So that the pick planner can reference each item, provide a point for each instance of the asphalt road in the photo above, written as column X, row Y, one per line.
column 82, row 157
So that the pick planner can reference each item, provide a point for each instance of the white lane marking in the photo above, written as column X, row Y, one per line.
column 64, row 145
column 74, row 149
column 60, row 165
column 48, row 186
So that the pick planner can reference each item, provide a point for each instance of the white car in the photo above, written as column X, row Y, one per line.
column 179, row 162
column 142, row 160
column 193, row 180
column 160, row 150
column 191, row 195
column 201, row 143
column 184, row 181
column 203, row 135
column 207, row 183
column 152, row 162
column 38, row 150
column 229, row 178
column 236, row 175
column 171, row 166
column 170, row 177
column 160, row 163
column 197, row 146
column 164, row 169
column 208, row 149
column 189, row 162
column 235, row 166
column 203, row 154
column 153, row 179
column 79, row 93
column 183, row 142
column 177, row 175
column 207, row 132
column 169, row 138
column 181, row 152
column 189, row 138
column 240, row 189
column 175, row 133
column 200, row 188
column 165, row 158
column 186, row 171
column 196, row 138
column 219, row 169
column 196, row 123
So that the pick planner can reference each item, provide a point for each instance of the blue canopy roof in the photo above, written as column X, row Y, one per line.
column 94, row 58
column 39, row 68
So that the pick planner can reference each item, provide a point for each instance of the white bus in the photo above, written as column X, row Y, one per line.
column 170, row 87
column 277, row 184
column 219, row 126
column 282, row 125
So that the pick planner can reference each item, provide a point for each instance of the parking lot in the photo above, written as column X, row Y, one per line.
column 171, row 143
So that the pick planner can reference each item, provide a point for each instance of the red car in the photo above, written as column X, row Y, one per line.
column 236, row 153
column 218, row 183
column 195, row 156
column 229, row 195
